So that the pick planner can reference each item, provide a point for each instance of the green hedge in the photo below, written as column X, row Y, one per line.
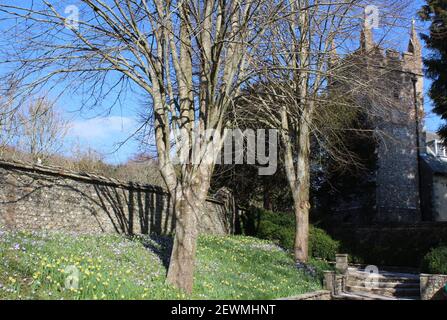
column 435, row 261
column 280, row 228
column 321, row 245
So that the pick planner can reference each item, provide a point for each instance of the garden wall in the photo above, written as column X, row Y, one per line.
column 34, row 197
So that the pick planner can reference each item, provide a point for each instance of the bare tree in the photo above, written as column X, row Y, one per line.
column 8, row 123
column 188, row 58
column 41, row 129
column 304, row 77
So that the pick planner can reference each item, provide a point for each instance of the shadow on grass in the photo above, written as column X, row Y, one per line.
column 158, row 244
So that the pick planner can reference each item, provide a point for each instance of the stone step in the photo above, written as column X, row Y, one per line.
column 398, row 269
column 385, row 276
column 349, row 296
column 387, row 292
column 360, row 296
column 386, row 273
column 381, row 284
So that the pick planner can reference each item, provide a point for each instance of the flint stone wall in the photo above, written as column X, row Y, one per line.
column 432, row 286
column 317, row 295
column 34, row 197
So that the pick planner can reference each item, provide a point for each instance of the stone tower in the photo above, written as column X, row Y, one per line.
column 399, row 132
column 389, row 190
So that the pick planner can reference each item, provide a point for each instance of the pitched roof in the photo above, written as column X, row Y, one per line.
column 437, row 165
column 431, row 136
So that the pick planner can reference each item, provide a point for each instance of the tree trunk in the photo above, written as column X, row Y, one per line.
column 267, row 196
column 301, row 193
column 301, row 205
column 189, row 204
column 181, row 265
column 299, row 180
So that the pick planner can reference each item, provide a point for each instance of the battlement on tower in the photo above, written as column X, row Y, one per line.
column 409, row 61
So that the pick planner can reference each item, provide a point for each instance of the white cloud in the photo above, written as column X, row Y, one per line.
column 102, row 128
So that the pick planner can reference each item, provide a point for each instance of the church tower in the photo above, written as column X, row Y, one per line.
column 400, row 137
column 388, row 190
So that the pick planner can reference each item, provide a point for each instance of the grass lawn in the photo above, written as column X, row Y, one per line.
column 44, row 266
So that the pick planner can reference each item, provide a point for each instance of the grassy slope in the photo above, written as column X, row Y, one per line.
column 35, row 266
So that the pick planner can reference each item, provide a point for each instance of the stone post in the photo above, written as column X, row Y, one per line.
column 333, row 282
column 341, row 263
column 423, row 284
column 329, row 281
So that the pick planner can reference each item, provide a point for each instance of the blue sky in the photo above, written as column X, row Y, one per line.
column 103, row 131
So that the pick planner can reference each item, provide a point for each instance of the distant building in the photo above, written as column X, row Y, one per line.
column 434, row 179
